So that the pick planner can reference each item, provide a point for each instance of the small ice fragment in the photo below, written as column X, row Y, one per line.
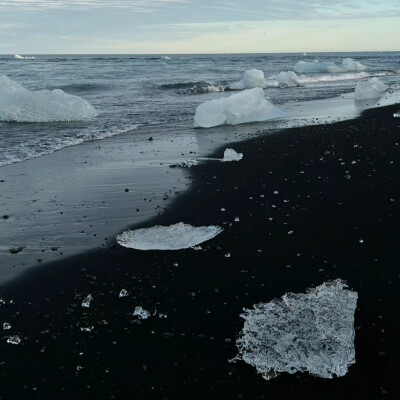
column 79, row 367
column 227, row 255
column 87, row 328
column 307, row 332
column 237, row 219
column 173, row 237
column 361, row 240
column 347, row 176
column 6, row 326
column 14, row 340
column 86, row 301
column 123, row 293
column 396, row 115
column 197, row 248
column 231, row 155
column 188, row 163
column 141, row 313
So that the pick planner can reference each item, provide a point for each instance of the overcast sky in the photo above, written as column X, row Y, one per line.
column 197, row 26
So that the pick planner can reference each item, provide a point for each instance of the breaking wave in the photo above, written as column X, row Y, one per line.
column 194, row 87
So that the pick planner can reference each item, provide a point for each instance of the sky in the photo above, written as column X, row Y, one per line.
column 197, row 26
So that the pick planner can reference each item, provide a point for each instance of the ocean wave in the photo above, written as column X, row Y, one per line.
column 37, row 147
column 19, row 57
column 19, row 104
column 194, row 87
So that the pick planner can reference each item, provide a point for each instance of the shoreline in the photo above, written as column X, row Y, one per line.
column 185, row 356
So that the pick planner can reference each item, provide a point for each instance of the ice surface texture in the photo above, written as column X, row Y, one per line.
column 347, row 65
column 22, row 105
column 370, row 89
column 311, row 332
column 173, row 237
column 239, row 108
column 231, row 155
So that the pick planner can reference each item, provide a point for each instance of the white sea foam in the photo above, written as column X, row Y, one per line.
column 19, row 57
column 22, row 105
column 173, row 237
column 347, row 65
column 311, row 332
column 231, row 155
column 239, row 108
column 370, row 89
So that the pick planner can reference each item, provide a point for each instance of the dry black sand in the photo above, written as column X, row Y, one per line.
column 345, row 219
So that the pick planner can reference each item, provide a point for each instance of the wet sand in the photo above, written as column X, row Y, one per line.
column 314, row 203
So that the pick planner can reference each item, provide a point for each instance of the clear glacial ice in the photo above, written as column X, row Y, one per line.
column 307, row 332
column 231, row 155
column 247, row 106
column 370, row 89
column 347, row 65
column 19, row 104
column 174, row 237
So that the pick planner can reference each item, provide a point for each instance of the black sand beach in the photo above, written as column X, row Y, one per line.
column 314, row 203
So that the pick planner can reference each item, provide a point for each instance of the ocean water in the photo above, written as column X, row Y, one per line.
column 130, row 92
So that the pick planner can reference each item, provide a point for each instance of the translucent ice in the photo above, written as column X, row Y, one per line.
column 86, row 301
column 253, row 78
column 347, row 65
column 14, row 339
column 311, row 332
column 396, row 115
column 370, row 89
column 306, row 67
column 141, row 313
column 22, row 105
column 239, row 108
column 173, row 237
column 231, row 155
column 6, row 326
column 287, row 79
column 123, row 293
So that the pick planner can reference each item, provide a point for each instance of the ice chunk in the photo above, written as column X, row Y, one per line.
column 123, row 293
column 22, row 105
column 347, row 65
column 370, row 89
column 87, row 328
column 231, row 155
column 18, row 57
column 287, row 79
column 86, row 301
column 253, row 78
column 173, row 237
column 311, row 332
column 239, row 108
column 141, row 313
column 6, row 326
column 396, row 115
column 14, row 339
column 306, row 67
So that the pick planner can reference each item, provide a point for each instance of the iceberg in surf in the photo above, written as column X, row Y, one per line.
column 252, row 78
column 287, row 79
column 173, row 237
column 347, row 65
column 239, row 108
column 370, row 89
column 231, row 155
column 22, row 105
column 311, row 332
